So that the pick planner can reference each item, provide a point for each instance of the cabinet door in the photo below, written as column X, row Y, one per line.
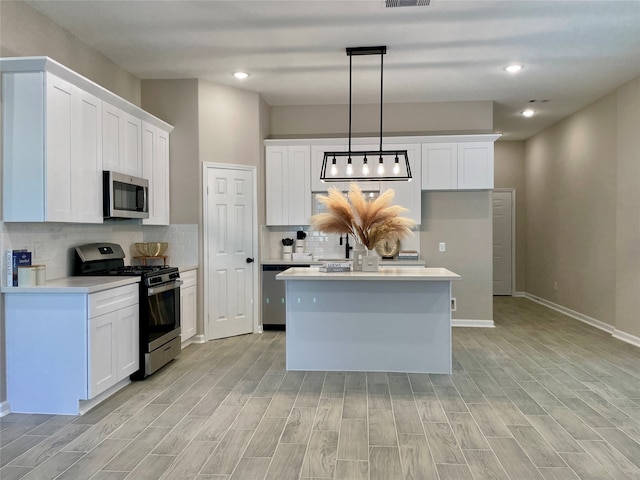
column 127, row 342
column 113, row 120
column 439, row 166
column 276, row 176
column 103, row 366
column 317, row 156
column 132, row 161
column 155, row 168
column 475, row 165
column 188, row 307
column 86, row 159
column 58, row 150
column 408, row 194
column 298, row 190
column 161, row 179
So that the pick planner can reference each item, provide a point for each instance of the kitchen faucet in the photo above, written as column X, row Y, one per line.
column 347, row 247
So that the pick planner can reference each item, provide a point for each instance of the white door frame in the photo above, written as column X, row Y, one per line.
column 254, row 242
column 513, row 235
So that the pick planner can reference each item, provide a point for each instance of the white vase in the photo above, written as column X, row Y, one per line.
column 359, row 252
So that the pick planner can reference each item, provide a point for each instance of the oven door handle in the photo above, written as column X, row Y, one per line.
column 164, row 288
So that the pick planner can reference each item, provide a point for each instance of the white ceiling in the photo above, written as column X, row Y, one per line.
column 573, row 52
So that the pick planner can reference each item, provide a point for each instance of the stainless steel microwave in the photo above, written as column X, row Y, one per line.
column 125, row 196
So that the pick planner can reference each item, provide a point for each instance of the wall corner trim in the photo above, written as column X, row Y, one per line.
column 4, row 409
column 459, row 322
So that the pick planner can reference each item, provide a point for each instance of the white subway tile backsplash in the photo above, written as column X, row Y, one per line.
column 52, row 244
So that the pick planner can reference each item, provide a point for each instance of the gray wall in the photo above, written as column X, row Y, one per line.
column 177, row 103
column 463, row 220
column 628, row 209
column 24, row 31
column 399, row 119
column 583, row 211
column 509, row 172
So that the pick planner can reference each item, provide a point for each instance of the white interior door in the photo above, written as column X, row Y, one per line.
column 229, row 242
column 502, row 242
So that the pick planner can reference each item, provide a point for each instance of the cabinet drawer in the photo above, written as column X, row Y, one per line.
column 114, row 299
column 189, row 279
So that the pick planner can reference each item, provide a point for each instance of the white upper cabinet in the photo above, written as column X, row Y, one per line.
column 457, row 166
column 155, row 168
column 86, row 165
column 407, row 194
column 288, row 185
column 122, row 146
column 439, row 166
column 60, row 131
column 52, row 159
column 475, row 165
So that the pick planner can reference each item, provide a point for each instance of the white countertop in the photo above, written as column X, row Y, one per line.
column 86, row 284
column 382, row 262
column 384, row 274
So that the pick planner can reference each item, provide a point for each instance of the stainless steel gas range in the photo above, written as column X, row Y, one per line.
column 159, row 301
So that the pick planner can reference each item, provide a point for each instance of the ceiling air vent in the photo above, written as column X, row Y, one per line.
column 407, row 3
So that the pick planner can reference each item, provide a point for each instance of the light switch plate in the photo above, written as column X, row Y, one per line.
column 442, row 247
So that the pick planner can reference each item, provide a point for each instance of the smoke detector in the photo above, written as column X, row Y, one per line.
column 407, row 3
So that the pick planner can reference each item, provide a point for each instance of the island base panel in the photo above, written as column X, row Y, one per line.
column 369, row 326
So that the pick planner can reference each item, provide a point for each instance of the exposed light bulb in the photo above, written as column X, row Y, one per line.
column 380, row 168
column 349, row 167
column 334, row 168
column 396, row 167
column 365, row 167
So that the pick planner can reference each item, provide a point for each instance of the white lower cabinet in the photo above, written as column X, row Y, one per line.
column 113, row 337
column 113, row 348
column 188, row 303
column 64, row 348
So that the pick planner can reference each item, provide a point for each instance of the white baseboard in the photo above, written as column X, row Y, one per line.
column 459, row 322
column 519, row 294
column 572, row 313
column 4, row 409
column 626, row 337
column 190, row 340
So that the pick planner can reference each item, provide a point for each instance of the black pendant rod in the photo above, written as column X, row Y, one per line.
column 350, row 68
column 381, row 76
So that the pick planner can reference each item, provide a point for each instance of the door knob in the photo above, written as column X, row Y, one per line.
column 249, row 260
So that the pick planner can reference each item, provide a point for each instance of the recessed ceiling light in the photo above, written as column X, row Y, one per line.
column 528, row 113
column 513, row 68
column 240, row 75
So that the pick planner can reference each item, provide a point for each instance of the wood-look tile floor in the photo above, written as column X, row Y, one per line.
column 541, row 396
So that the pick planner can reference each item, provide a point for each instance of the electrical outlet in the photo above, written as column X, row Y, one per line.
column 453, row 304
column 555, row 286
column 442, row 247
column 38, row 250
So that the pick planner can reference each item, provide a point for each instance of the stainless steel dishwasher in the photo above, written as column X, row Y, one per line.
column 273, row 297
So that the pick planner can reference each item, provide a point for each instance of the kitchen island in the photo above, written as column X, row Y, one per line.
column 391, row 320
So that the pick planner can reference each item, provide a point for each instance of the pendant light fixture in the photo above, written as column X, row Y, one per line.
column 354, row 166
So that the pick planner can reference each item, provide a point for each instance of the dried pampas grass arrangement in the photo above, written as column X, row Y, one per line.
column 369, row 221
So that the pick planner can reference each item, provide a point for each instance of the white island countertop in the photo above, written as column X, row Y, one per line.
column 384, row 274
column 84, row 284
